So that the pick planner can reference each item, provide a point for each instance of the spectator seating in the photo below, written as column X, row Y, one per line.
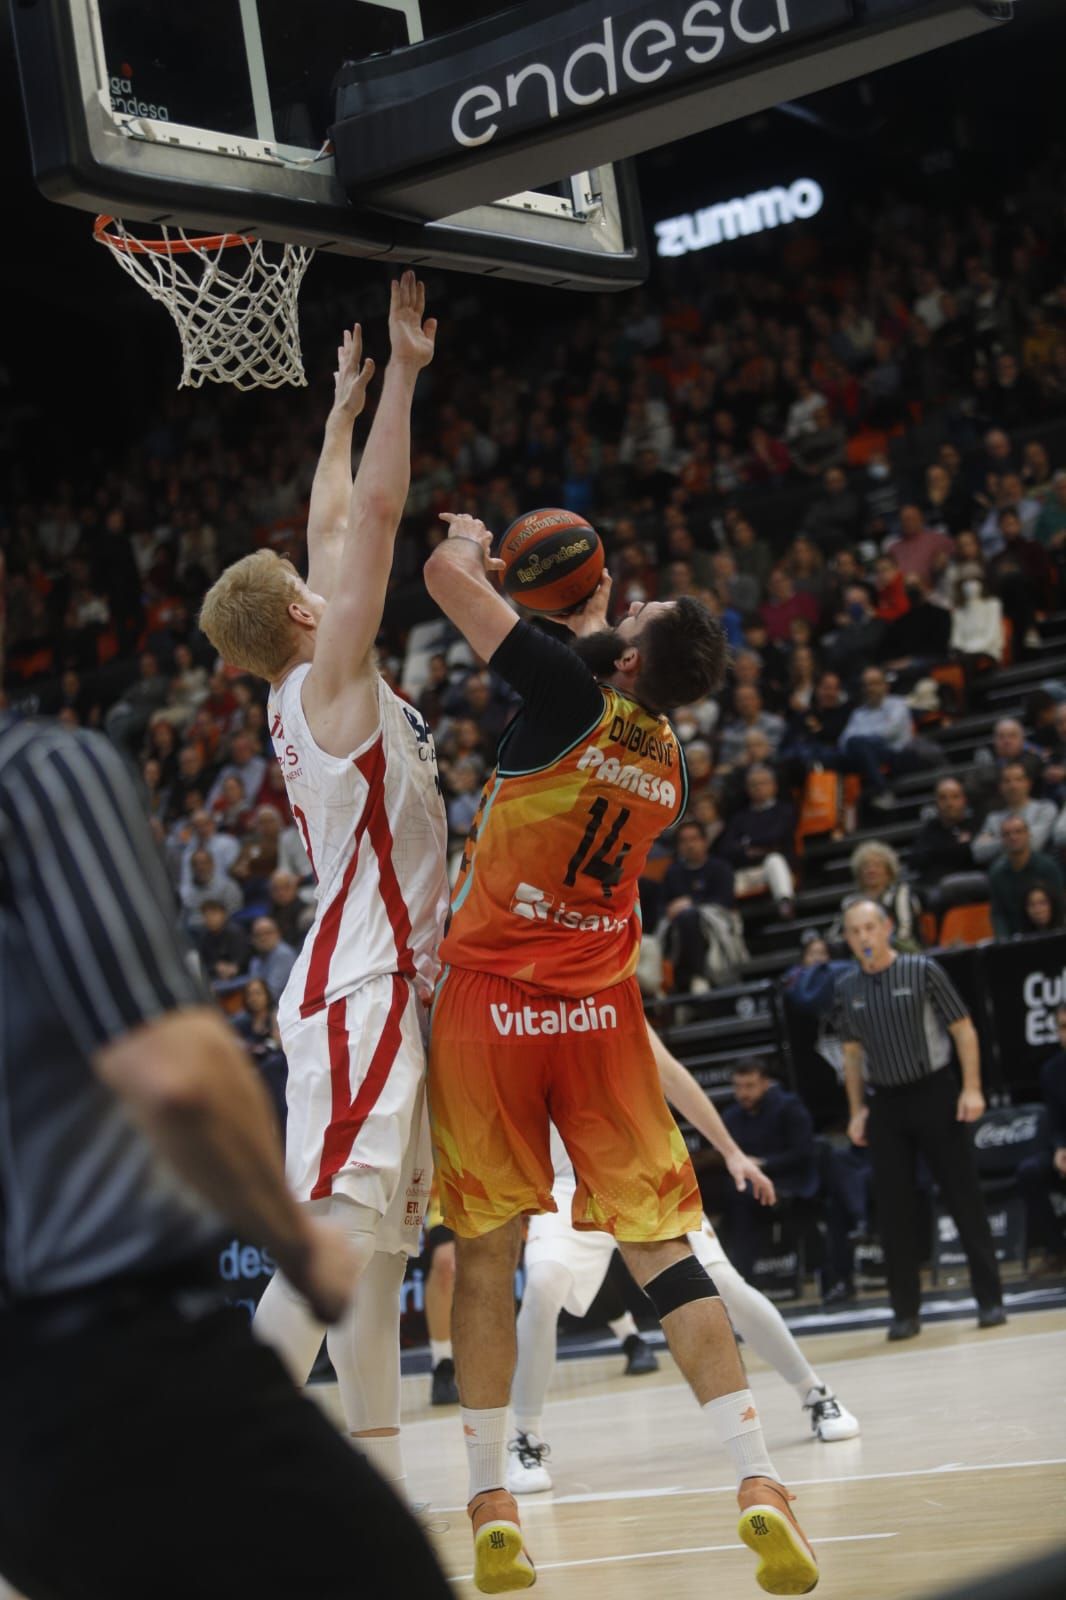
column 966, row 924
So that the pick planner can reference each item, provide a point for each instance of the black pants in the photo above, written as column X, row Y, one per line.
column 1037, row 1177
column 847, row 1211
column 685, row 944
column 902, row 1122
column 150, row 1455
column 746, row 1223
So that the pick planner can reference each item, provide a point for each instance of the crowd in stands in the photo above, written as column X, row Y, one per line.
column 857, row 461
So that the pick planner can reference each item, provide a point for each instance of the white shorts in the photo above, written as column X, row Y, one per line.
column 586, row 1256
column 357, row 1120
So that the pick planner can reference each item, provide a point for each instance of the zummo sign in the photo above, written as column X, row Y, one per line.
column 739, row 219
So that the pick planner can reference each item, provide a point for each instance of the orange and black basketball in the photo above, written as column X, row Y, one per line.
column 553, row 560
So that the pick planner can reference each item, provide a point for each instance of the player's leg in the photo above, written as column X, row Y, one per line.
column 548, row 1283
column 491, row 1148
column 365, row 1351
column 439, row 1264
column 565, row 1269
column 283, row 1320
column 368, row 1161
column 633, row 1169
column 762, row 1326
column 483, row 1324
column 701, row 1341
column 365, row 1346
column 640, row 1357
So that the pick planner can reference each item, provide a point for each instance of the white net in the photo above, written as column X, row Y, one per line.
column 236, row 308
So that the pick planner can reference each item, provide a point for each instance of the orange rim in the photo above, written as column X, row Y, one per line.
column 164, row 247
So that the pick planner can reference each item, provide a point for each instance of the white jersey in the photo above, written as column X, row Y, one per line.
column 375, row 830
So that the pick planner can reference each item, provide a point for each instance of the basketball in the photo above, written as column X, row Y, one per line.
column 553, row 560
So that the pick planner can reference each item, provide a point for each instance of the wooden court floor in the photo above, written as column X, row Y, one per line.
column 960, row 1469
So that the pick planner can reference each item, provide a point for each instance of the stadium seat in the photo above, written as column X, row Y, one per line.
column 952, row 676
column 820, row 807
column 967, row 924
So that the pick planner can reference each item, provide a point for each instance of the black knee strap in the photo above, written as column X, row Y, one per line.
column 678, row 1286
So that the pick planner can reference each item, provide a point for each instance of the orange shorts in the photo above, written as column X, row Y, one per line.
column 503, row 1061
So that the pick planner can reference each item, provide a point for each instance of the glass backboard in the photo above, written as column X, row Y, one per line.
column 215, row 113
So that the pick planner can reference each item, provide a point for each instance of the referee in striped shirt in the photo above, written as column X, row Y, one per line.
column 896, row 1013
column 148, row 1444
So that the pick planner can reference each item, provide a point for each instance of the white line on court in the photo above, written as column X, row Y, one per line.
column 946, row 1469
column 657, row 1555
column 611, row 1396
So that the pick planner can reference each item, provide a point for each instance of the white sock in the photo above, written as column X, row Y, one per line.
column 623, row 1326
column 485, row 1437
column 440, row 1350
column 762, row 1326
column 383, row 1452
column 737, row 1428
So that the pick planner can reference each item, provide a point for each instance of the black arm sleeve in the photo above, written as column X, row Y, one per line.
column 82, row 873
column 561, row 699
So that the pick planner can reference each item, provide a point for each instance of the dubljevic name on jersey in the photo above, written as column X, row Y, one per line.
column 561, row 1016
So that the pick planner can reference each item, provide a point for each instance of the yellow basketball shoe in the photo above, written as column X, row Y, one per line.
column 767, row 1526
column 501, row 1563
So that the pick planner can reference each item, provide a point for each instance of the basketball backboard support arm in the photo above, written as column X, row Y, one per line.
column 102, row 149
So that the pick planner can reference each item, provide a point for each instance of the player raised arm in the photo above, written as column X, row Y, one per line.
column 456, row 576
column 351, row 621
column 331, row 491
column 686, row 1096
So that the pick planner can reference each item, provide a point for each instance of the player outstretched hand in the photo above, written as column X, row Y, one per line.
column 462, row 526
column 352, row 375
column 592, row 616
column 743, row 1170
column 412, row 338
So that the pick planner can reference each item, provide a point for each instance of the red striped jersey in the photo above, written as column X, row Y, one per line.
column 375, row 830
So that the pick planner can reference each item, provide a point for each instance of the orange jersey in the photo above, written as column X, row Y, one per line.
column 547, row 890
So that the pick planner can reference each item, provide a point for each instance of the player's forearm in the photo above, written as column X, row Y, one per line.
column 969, row 1052
column 455, row 578
column 686, row 1096
column 188, row 1083
column 854, row 1083
column 384, row 478
column 331, row 490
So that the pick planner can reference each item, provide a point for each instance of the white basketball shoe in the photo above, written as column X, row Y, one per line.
column 526, row 1472
column 830, row 1420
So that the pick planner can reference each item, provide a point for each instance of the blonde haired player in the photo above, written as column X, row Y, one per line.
column 361, row 775
column 565, row 1269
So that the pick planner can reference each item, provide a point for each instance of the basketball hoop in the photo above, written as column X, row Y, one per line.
column 238, row 321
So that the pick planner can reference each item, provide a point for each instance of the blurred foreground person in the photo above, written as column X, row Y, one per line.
column 140, row 1417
